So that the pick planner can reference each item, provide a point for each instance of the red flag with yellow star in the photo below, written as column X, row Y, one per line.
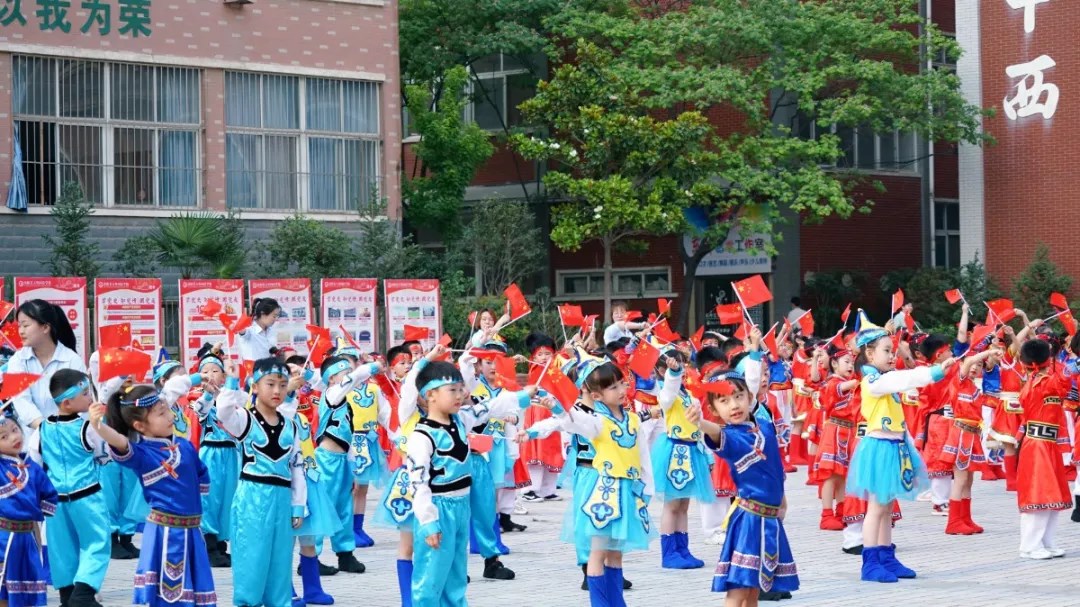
column 116, row 362
column 752, row 291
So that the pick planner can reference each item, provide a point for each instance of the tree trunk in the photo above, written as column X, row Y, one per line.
column 607, row 280
column 686, row 295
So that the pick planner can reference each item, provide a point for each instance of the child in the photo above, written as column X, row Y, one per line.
column 885, row 465
column 756, row 556
column 173, row 567
column 837, row 437
column 271, row 495
column 28, row 497
column 680, row 467
column 935, row 422
column 439, row 472
column 544, row 457
column 78, row 534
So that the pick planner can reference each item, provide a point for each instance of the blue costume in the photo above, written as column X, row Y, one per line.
column 680, row 463
column 756, row 553
column 271, row 492
column 26, row 498
column 488, row 473
column 221, row 454
column 78, row 534
column 173, row 567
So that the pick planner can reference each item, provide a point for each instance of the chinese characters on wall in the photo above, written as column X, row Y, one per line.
column 132, row 16
column 1032, row 95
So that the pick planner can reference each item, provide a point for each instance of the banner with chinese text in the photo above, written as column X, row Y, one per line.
column 69, row 294
column 415, row 303
column 197, row 329
column 349, row 303
column 294, row 297
column 136, row 301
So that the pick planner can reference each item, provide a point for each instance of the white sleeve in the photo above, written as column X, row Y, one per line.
column 576, row 421
column 27, row 411
column 895, row 382
column 670, row 391
column 298, row 484
column 545, row 427
column 506, row 403
column 288, row 408
column 467, row 366
column 110, row 387
column 335, row 394
column 176, row 387
column 232, row 413
column 33, row 445
column 753, row 377
column 203, row 404
column 418, row 462
column 513, row 449
column 384, row 411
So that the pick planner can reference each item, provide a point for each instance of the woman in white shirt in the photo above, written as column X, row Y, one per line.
column 255, row 342
column 48, row 346
column 489, row 328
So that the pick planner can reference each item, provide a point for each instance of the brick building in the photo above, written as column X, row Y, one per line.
column 159, row 106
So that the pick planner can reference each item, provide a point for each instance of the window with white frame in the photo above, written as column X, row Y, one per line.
column 127, row 134
column 300, row 142
column 625, row 283
column 947, row 233
column 863, row 148
column 500, row 83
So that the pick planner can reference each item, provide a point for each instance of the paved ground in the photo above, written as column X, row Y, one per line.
column 968, row 571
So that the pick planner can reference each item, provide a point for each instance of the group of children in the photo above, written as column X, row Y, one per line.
column 206, row 462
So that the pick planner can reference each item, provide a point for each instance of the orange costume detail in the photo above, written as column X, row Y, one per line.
column 1045, row 486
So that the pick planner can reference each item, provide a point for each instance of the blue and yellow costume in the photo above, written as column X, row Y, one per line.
column 488, row 473
column 680, row 462
column 26, row 498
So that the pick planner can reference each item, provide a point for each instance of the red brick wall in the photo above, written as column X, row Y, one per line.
column 504, row 166
column 1031, row 176
column 946, row 171
column 943, row 13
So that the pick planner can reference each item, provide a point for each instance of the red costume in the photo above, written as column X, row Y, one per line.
column 1045, row 486
column 963, row 448
column 1005, row 424
column 837, row 441
column 936, row 409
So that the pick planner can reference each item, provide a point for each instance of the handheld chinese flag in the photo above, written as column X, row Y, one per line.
column 632, row 315
column 664, row 332
column 1067, row 320
column 838, row 340
column 845, row 314
column 446, row 340
column 897, row 301
column 506, row 370
column 10, row 331
column 590, row 322
column 743, row 331
column 954, row 296
column 571, row 315
column 5, row 308
column 806, row 323
column 315, row 331
column 116, row 362
column 695, row 339
column 752, row 291
column 770, row 342
column 729, row 314
column 909, row 323
column 519, row 306
column 560, row 386
column 979, row 334
column 114, row 336
column 17, row 383
column 472, row 319
column 663, row 306
column 644, row 358
column 247, row 368
column 692, row 383
column 1056, row 299
column 211, row 308
column 234, row 326
column 318, row 348
column 413, row 333
column 1000, row 311
column 348, row 337
column 485, row 354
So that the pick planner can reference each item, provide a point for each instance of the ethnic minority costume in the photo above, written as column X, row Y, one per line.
column 680, row 462
column 963, row 450
column 489, row 471
column 26, row 498
column 271, row 492
column 124, row 502
column 838, row 432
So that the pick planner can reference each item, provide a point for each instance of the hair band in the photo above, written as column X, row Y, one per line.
column 275, row 370
column 164, row 368
column 146, row 401
column 211, row 360
column 401, row 358
column 438, row 383
column 72, row 391
column 334, row 369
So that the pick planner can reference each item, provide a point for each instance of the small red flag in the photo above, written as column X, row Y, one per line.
column 1058, row 301
column 319, row 348
column 472, row 318
column 752, row 291
column 571, row 315
column 519, row 306
column 954, row 296
column 506, row 371
column 643, row 359
column 5, row 308
column 897, row 301
column 743, row 331
column 590, row 321
column 483, row 354
column 446, row 340
column 806, row 323
column 114, row 336
column 729, row 314
column 10, row 330
column 348, row 337
column 1067, row 320
column 770, row 342
column 695, row 339
column 247, row 368
column 17, row 383
column 663, row 306
column 909, row 323
column 413, row 333
column 233, row 327
column 980, row 333
column 838, row 340
column 632, row 315
column 560, row 386
column 1000, row 311
column 845, row 314
column 664, row 332
column 211, row 308
column 116, row 362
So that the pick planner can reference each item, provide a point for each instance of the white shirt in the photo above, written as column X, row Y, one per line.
column 615, row 332
column 794, row 315
column 255, row 342
column 37, row 402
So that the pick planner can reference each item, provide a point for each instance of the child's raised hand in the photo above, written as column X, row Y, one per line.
column 296, row 379
column 693, row 414
column 231, row 370
column 97, row 414
column 521, row 437
column 520, row 358
column 434, row 540
column 948, row 363
column 673, row 364
column 437, row 352
column 531, row 390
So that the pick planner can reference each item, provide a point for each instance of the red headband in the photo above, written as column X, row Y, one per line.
column 401, row 358
column 710, row 367
column 543, row 349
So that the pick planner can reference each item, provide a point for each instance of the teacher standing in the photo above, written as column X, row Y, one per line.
column 48, row 346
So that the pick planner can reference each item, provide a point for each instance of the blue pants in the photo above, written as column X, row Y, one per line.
column 262, row 545
column 78, row 541
column 337, row 479
column 121, row 487
column 223, row 463
column 440, row 575
column 482, row 502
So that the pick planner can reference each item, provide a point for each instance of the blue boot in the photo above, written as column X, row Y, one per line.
column 598, row 591
column 683, row 543
column 309, row 575
column 669, row 553
column 613, row 578
column 404, row 581
column 503, row 549
column 363, row 540
column 872, row 569
column 888, row 561
column 296, row 600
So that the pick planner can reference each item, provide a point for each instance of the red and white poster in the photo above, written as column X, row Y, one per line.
column 136, row 301
column 69, row 294
column 294, row 297
column 196, row 328
column 349, row 303
column 415, row 303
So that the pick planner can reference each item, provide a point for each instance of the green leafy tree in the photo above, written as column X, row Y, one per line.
column 1033, row 287
column 771, row 67
column 201, row 244
column 73, row 252
column 505, row 243
column 137, row 257
column 302, row 246
column 832, row 291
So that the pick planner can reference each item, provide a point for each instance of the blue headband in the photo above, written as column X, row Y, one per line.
column 349, row 351
column 438, row 383
column 211, row 360
column 147, row 401
column 164, row 368
column 73, row 391
column 275, row 370
column 869, row 336
column 334, row 369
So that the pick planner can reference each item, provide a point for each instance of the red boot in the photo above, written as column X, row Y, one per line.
column 797, row 451
column 788, row 466
column 967, row 517
column 957, row 525
column 829, row 521
column 993, row 473
column 840, row 511
column 1070, row 473
column 1010, row 473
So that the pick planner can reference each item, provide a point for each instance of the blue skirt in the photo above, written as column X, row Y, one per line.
column 886, row 469
column 24, row 573
column 173, row 569
column 583, row 481
column 756, row 554
column 613, row 509
column 368, row 460
column 223, row 464
column 681, row 470
column 396, row 506
column 321, row 519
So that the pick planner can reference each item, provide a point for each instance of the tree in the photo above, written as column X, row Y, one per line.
column 770, row 67
column 201, row 244
column 301, row 246
column 74, row 254
column 1035, row 284
column 620, row 172
column 505, row 242
column 137, row 257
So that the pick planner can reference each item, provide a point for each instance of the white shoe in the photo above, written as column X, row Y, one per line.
column 1056, row 552
column 1039, row 554
column 924, row 496
column 716, row 539
column 520, row 508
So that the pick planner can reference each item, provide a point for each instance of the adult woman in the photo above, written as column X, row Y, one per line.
column 48, row 346
column 256, row 341
column 489, row 328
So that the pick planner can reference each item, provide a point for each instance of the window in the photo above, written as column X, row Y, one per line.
column 500, row 83
column 128, row 134
column 300, row 143
column 942, row 60
column 947, row 233
column 864, row 149
column 627, row 284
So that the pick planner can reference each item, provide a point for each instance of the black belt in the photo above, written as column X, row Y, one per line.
column 1040, row 431
column 458, row 485
column 276, row 481
column 217, row 444
column 81, row 493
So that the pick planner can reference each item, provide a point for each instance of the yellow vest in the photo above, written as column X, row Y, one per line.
column 881, row 412
column 617, row 453
column 677, row 425
column 364, row 405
